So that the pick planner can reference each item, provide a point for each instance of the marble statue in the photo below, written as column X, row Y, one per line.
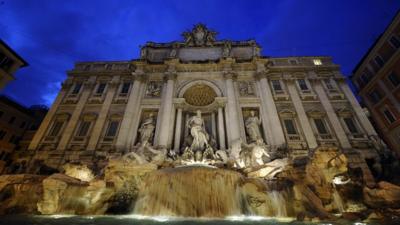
column 198, row 133
column 253, row 127
column 227, row 49
column 146, row 130
column 253, row 153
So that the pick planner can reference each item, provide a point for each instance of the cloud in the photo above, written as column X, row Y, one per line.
column 53, row 35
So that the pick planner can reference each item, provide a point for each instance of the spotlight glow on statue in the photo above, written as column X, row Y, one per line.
column 198, row 132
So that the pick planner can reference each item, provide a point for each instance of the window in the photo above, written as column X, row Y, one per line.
column 22, row 124
column 290, row 127
column 2, row 134
column 329, row 85
column 320, row 125
column 395, row 41
column 317, row 62
column 394, row 79
column 12, row 119
column 351, row 125
column 302, row 84
column 77, row 88
column 83, row 128
column 293, row 62
column 276, row 85
column 375, row 96
column 55, row 130
column 389, row 115
column 1, row 113
column 379, row 61
column 100, row 88
column 112, row 128
column 125, row 87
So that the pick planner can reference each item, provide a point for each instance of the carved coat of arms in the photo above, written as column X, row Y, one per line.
column 199, row 36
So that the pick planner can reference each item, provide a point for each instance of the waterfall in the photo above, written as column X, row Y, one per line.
column 190, row 191
column 338, row 200
column 278, row 203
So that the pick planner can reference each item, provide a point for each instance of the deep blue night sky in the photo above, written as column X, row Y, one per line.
column 52, row 35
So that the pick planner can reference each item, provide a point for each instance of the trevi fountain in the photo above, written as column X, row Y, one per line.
column 210, row 132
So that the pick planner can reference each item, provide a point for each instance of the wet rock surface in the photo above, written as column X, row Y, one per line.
column 310, row 189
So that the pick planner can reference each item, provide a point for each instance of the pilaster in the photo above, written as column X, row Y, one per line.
column 99, row 124
column 49, row 116
column 330, row 111
column 68, row 131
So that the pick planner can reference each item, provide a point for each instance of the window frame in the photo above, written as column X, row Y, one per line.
column 386, row 108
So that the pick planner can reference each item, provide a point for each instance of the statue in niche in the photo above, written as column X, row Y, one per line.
column 245, row 88
column 153, row 89
column 146, row 130
column 198, row 132
column 252, row 124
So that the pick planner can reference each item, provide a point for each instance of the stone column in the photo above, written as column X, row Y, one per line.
column 362, row 118
column 130, row 112
column 231, row 106
column 270, row 116
column 166, row 109
column 303, row 119
column 178, row 129
column 221, row 129
column 49, row 117
column 101, row 119
column 69, row 129
column 213, row 126
column 333, row 118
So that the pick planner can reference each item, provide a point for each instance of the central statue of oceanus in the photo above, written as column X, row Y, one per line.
column 200, row 148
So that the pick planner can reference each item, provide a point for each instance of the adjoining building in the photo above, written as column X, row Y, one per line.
column 299, row 103
column 17, row 127
column 377, row 79
column 10, row 62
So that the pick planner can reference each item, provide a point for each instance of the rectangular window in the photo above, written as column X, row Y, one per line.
column 290, row 127
column 320, row 125
column 83, row 129
column 293, row 62
column 375, row 96
column 100, row 88
column 12, row 119
column 77, row 88
column 394, row 79
column 395, row 41
column 112, row 129
column 302, row 84
column 379, row 61
column 351, row 125
column 329, row 84
column 276, row 85
column 317, row 62
column 125, row 87
column 55, row 130
column 389, row 116
column 1, row 113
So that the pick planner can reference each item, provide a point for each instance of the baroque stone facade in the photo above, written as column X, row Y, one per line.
column 204, row 92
